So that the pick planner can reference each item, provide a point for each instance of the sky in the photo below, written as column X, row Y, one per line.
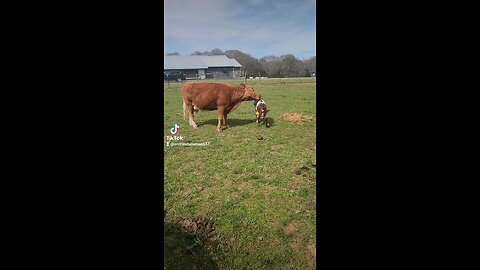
column 256, row 27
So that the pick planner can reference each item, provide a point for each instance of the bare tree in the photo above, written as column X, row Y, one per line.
column 251, row 65
column 217, row 52
column 174, row 53
column 311, row 64
column 271, row 66
column 289, row 65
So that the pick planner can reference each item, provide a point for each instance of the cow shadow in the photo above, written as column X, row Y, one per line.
column 182, row 250
column 231, row 122
column 235, row 122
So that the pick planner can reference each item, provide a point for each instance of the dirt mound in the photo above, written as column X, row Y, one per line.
column 296, row 117
column 291, row 228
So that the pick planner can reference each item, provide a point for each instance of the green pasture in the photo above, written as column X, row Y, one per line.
column 259, row 194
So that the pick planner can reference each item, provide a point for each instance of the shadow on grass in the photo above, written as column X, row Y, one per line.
column 231, row 122
column 183, row 250
column 236, row 122
column 271, row 121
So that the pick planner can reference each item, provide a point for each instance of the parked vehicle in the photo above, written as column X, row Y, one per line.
column 174, row 75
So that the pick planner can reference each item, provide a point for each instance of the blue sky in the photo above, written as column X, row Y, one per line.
column 257, row 27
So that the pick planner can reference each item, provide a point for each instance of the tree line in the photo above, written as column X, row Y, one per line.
column 269, row 66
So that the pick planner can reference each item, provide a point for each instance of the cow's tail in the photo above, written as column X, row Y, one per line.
column 184, row 109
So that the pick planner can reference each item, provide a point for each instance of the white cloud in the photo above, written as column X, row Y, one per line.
column 205, row 25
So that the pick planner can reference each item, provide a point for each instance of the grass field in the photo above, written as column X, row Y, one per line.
column 240, row 202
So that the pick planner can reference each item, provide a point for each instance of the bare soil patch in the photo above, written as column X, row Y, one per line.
column 295, row 245
column 232, row 242
column 313, row 203
column 276, row 243
column 296, row 117
column 186, row 193
column 274, row 153
column 312, row 252
column 276, row 224
column 270, row 188
column 291, row 228
column 277, row 146
column 201, row 226
column 244, row 186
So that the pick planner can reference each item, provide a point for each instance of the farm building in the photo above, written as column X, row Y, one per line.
column 201, row 66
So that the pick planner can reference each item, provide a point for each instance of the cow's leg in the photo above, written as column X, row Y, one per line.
column 190, row 115
column 221, row 110
column 225, row 119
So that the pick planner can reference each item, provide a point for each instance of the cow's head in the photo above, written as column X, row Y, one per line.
column 250, row 94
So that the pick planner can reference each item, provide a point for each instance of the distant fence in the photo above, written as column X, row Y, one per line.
column 233, row 75
column 217, row 75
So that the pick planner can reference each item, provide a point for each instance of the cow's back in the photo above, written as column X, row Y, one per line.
column 207, row 96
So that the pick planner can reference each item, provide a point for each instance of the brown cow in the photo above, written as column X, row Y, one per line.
column 215, row 96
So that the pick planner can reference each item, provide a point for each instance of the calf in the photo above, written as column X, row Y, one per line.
column 261, row 112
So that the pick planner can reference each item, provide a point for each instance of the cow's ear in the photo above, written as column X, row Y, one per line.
column 267, row 111
column 242, row 85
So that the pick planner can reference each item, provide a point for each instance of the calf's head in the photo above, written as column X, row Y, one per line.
column 250, row 94
column 262, row 112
